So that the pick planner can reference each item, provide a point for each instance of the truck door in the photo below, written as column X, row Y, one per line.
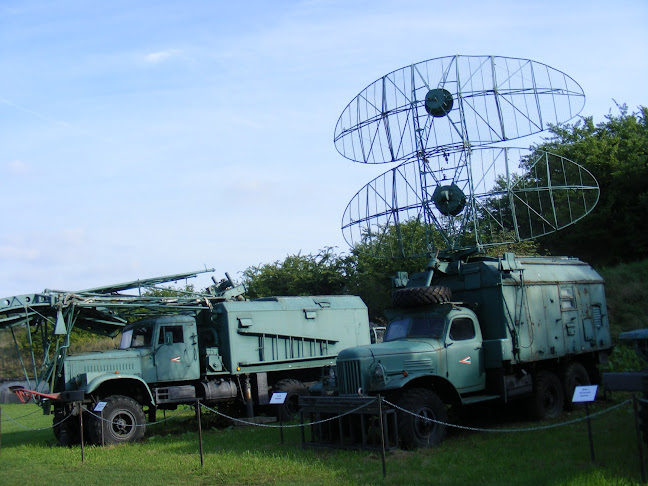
column 176, row 355
column 464, row 355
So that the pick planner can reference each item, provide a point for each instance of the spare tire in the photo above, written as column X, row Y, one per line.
column 415, row 296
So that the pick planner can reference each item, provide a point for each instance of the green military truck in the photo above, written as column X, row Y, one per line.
column 213, row 346
column 238, row 351
column 487, row 329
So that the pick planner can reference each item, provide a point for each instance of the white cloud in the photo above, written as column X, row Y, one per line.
column 20, row 253
column 161, row 56
column 18, row 168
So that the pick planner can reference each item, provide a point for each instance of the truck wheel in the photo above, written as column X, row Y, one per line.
column 573, row 375
column 414, row 431
column 290, row 407
column 548, row 396
column 123, row 421
column 415, row 296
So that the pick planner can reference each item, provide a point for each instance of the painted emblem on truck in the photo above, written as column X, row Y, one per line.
column 466, row 360
column 176, row 359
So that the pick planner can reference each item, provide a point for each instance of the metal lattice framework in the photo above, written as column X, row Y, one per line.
column 457, row 187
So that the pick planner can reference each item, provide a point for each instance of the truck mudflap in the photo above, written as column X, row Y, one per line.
column 347, row 422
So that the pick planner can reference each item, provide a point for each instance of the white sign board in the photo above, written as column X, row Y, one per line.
column 584, row 393
column 278, row 398
column 99, row 406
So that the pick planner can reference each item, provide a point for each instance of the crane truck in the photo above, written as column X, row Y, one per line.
column 214, row 347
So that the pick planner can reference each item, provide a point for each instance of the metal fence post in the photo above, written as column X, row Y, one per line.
column 635, row 406
column 382, row 437
column 81, row 428
column 200, row 440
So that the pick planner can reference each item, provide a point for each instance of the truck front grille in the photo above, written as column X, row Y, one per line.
column 349, row 377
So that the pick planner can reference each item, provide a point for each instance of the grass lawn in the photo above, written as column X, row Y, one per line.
column 255, row 456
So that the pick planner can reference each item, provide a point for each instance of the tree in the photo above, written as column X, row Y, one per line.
column 325, row 273
column 616, row 152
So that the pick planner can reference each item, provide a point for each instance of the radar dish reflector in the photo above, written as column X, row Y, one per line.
column 450, row 103
column 468, row 200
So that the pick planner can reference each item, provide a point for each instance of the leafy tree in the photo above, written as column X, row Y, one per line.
column 325, row 273
column 616, row 152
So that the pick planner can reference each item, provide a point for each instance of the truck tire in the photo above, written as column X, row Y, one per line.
column 290, row 407
column 415, row 296
column 548, row 396
column 123, row 421
column 573, row 375
column 414, row 431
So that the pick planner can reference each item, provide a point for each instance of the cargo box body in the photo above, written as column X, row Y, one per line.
column 286, row 332
column 533, row 308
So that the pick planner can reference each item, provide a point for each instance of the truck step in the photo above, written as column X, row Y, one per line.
column 478, row 399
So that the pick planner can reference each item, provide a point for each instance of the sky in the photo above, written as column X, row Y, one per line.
column 147, row 138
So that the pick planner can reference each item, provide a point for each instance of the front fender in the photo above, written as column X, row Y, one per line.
column 96, row 382
column 443, row 387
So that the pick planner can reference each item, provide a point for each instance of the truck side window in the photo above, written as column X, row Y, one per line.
column 176, row 331
column 462, row 328
column 142, row 337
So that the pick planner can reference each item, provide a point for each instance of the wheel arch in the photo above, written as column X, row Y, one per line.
column 442, row 387
column 131, row 386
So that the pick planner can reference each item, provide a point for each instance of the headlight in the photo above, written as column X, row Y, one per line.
column 379, row 372
column 332, row 372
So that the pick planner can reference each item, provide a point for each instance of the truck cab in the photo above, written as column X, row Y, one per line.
column 173, row 345
column 438, row 341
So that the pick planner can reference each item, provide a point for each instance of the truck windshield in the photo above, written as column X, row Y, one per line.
column 429, row 326
column 137, row 337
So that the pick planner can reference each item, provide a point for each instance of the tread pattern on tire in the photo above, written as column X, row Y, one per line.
column 414, row 400
column 573, row 375
column 416, row 296
column 294, row 388
column 548, row 396
column 116, row 403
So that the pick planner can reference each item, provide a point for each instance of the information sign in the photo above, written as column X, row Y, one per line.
column 584, row 393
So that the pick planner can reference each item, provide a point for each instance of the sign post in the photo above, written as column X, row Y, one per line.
column 586, row 394
column 99, row 408
column 278, row 398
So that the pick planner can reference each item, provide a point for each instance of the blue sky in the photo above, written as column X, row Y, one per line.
column 144, row 138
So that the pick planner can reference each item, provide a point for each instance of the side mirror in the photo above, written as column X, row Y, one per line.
column 168, row 337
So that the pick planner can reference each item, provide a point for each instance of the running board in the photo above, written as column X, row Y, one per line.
column 478, row 399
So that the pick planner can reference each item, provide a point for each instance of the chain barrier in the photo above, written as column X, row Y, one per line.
column 33, row 429
column 166, row 419
column 288, row 426
column 26, row 415
column 246, row 422
column 88, row 411
column 523, row 429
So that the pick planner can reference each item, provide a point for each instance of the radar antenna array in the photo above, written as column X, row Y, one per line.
column 457, row 187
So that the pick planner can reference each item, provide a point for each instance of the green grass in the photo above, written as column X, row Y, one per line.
column 255, row 456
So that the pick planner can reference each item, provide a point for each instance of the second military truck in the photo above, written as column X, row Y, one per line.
column 487, row 329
